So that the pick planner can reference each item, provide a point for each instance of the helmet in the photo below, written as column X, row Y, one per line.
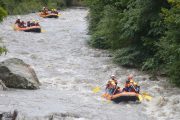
column 112, row 76
column 130, row 76
column 18, row 17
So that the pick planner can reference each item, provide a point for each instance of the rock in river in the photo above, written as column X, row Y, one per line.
column 17, row 74
column 2, row 86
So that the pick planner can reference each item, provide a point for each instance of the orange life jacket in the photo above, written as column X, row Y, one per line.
column 111, row 84
column 129, row 83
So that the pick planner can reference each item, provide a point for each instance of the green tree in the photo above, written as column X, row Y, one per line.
column 140, row 33
column 3, row 14
column 169, row 45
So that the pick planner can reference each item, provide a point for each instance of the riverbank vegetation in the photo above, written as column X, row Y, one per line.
column 29, row 6
column 3, row 14
column 141, row 33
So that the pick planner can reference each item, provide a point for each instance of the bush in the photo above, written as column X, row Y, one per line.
column 3, row 13
column 3, row 50
column 173, row 72
column 152, row 25
column 128, row 57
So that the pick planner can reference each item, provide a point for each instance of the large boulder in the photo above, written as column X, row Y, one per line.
column 16, row 74
column 9, row 115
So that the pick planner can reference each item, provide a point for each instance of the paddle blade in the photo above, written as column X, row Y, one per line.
column 109, row 101
column 96, row 89
column 140, row 97
column 13, row 27
column 145, row 93
column 149, row 98
column 43, row 30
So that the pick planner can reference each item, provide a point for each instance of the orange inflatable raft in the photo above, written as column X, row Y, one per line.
column 28, row 29
column 120, row 97
column 49, row 15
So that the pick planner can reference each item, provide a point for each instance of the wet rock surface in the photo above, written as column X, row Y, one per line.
column 17, row 74
column 9, row 115
column 2, row 85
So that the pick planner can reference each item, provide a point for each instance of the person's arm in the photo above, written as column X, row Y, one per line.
column 107, row 85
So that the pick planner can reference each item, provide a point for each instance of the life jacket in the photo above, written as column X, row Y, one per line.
column 131, row 87
column 135, row 89
column 37, row 24
column 22, row 24
column 111, row 84
column 56, row 12
column 18, row 21
column 44, row 12
column 32, row 24
column 28, row 24
column 127, row 84
column 117, row 90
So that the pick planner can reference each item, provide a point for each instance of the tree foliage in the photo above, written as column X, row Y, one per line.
column 3, row 13
column 28, row 6
column 142, row 33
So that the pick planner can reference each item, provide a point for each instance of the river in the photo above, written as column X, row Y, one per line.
column 68, row 69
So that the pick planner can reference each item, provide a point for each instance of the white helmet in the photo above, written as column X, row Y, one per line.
column 112, row 76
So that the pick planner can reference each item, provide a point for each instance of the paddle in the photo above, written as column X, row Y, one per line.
column 13, row 27
column 115, row 90
column 42, row 30
column 97, row 88
column 140, row 97
column 146, row 96
column 143, row 95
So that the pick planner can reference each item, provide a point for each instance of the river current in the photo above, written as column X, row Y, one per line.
column 68, row 69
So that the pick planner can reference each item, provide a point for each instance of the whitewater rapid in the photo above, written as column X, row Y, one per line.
column 68, row 69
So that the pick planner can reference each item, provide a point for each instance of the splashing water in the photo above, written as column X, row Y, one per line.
column 68, row 70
